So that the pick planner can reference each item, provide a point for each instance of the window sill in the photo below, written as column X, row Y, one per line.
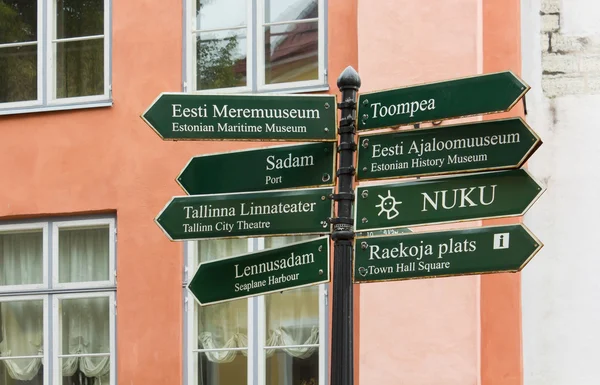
column 57, row 107
column 287, row 90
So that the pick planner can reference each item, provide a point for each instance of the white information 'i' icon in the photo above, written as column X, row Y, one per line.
column 501, row 241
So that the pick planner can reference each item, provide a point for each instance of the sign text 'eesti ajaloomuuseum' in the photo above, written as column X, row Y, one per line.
column 269, row 168
column 181, row 116
column 482, row 146
column 481, row 250
column 257, row 214
column 449, row 99
column 273, row 270
column 440, row 200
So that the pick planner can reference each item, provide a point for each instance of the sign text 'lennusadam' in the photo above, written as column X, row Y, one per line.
column 273, row 270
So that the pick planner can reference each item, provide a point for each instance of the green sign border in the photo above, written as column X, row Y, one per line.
column 332, row 173
column 326, row 275
column 332, row 133
column 366, row 94
column 535, row 146
column 540, row 245
column 541, row 191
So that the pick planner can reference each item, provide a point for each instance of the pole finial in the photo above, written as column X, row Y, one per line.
column 349, row 78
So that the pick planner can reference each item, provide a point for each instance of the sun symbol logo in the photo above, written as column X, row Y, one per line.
column 388, row 206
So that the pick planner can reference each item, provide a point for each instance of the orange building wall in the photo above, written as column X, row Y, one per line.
column 107, row 159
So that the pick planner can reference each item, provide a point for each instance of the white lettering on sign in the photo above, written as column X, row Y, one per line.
column 461, row 196
column 264, row 113
column 289, row 161
column 402, row 108
column 281, row 264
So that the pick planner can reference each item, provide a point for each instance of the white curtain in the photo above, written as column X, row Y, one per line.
column 292, row 316
column 223, row 325
column 85, row 329
column 85, row 322
column 22, row 335
column 21, row 321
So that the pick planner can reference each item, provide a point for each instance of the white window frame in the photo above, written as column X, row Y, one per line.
column 45, row 331
column 46, row 66
column 56, row 332
column 25, row 227
column 82, row 224
column 256, row 326
column 255, row 45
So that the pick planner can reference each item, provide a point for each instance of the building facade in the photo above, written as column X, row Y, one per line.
column 91, row 289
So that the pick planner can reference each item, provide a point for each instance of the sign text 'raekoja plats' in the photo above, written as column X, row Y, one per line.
column 445, row 253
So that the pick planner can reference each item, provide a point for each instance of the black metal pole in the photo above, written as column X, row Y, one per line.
column 342, row 342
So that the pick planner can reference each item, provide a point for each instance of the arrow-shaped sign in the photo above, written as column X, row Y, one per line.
column 440, row 200
column 274, row 270
column 482, row 250
column 181, row 116
column 449, row 99
column 277, row 167
column 482, row 146
column 256, row 214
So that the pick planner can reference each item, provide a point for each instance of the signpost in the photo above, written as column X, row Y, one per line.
column 482, row 146
column 495, row 249
column 440, row 200
column 278, row 167
column 475, row 95
column 182, row 116
column 236, row 201
column 274, row 270
column 259, row 214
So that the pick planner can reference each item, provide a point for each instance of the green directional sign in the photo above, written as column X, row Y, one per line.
column 274, row 270
column 475, row 95
column 278, row 167
column 182, row 116
column 496, row 249
column 439, row 200
column 247, row 214
column 489, row 145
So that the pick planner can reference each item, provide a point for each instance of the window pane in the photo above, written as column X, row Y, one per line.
column 80, row 68
column 22, row 331
column 18, row 73
column 213, row 14
column 85, row 326
column 233, row 371
column 289, row 10
column 221, row 59
column 83, row 254
column 223, row 326
column 18, row 21
column 21, row 258
column 85, row 370
column 293, row 318
column 291, row 52
column 76, row 18
column 16, row 372
column 286, row 369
